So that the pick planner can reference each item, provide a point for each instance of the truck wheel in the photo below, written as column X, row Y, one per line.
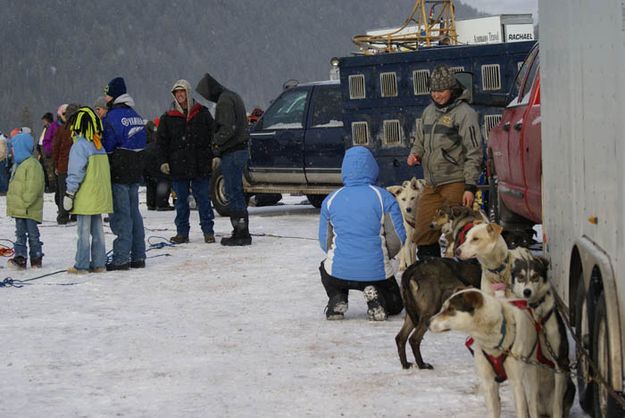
column 582, row 334
column 218, row 193
column 316, row 199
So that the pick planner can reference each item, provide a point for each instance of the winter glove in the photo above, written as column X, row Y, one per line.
column 216, row 163
column 68, row 201
column 165, row 168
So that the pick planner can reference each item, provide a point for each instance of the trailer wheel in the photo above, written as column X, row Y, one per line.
column 582, row 334
column 601, row 358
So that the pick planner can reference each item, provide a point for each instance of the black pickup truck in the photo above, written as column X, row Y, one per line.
column 297, row 147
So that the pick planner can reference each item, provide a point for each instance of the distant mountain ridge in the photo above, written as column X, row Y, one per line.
column 61, row 51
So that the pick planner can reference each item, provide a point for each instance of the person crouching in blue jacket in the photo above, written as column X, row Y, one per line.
column 360, row 230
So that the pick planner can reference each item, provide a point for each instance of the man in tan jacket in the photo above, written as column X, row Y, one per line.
column 449, row 146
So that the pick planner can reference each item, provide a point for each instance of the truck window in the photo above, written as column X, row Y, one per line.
column 326, row 107
column 527, row 87
column 521, row 76
column 287, row 112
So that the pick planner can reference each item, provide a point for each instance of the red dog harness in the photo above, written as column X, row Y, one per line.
column 463, row 234
column 497, row 362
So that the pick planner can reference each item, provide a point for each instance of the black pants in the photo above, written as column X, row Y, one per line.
column 61, row 214
column 388, row 288
column 157, row 192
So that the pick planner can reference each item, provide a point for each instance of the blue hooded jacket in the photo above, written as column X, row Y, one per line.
column 23, row 146
column 360, row 226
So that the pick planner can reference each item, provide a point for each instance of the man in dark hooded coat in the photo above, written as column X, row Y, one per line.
column 231, row 153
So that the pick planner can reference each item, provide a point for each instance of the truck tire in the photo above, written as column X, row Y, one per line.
column 316, row 199
column 582, row 334
column 218, row 193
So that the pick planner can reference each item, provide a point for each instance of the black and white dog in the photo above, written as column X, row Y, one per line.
column 529, row 281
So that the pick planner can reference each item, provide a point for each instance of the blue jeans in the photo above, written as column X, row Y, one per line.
column 90, row 253
column 201, row 192
column 232, row 164
column 127, row 224
column 26, row 229
column 4, row 175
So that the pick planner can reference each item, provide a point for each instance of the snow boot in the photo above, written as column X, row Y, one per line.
column 137, row 264
column 240, row 233
column 375, row 304
column 35, row 262
column 209, row 238
column 179, row 239
column 336, row 308
column 17, row 263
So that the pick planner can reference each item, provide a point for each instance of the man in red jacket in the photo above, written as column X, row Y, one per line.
column 184, row 138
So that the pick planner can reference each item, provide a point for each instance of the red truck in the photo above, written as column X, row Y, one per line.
column 514, row 156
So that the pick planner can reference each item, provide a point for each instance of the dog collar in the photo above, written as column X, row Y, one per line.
column 538, row 303
column 412, row 224
column 502, row 266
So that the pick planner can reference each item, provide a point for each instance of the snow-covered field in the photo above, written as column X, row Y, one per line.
column 207, row 330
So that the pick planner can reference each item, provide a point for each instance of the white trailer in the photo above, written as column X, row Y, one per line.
column 582, row 64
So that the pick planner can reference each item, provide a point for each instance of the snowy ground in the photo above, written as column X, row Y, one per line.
column 206, row 330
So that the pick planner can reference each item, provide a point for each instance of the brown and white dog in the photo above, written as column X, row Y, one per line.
column 407, row 196
column 504, row 336
column 484, row 242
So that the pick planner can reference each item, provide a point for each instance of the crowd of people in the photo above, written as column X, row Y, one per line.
column 94, row 159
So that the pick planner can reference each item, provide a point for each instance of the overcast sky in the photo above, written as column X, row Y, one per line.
column 505, row 6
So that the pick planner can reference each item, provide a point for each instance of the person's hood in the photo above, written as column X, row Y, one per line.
column 359, row 167
column 182, row 85
column 209, row 88
column 125, row 99
column 23, row 145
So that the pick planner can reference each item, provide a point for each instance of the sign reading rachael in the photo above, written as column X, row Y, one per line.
column 518, row 33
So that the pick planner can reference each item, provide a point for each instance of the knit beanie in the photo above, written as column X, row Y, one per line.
column 115, row 88
column 442, row 78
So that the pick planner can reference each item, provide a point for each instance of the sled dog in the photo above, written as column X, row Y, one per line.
column 407, row 196
column 425, row 285
column 503, row 336
column 454, row 222
column 529, row 281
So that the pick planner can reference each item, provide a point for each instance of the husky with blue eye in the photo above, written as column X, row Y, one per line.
column 529, row 281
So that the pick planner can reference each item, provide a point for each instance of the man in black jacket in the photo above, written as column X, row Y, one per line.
column 230, row 149
column 184, row 139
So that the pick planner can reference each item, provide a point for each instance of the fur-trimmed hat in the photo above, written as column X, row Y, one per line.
column 115, row 88
column 442, row 78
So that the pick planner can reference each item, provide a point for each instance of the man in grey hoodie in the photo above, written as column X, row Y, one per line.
column 231, row 153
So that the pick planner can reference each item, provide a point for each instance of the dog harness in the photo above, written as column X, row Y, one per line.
column 463, row 234
column 497, row 362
